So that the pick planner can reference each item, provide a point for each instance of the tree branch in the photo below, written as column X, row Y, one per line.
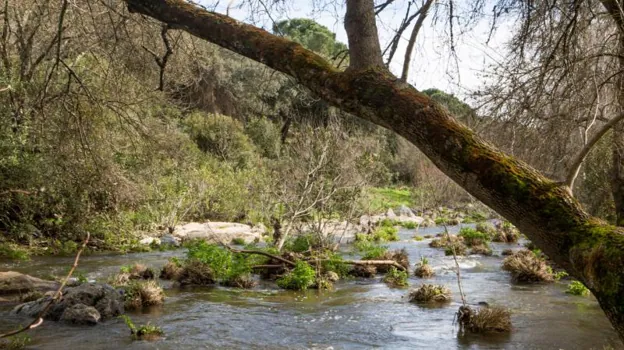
column 424, row 11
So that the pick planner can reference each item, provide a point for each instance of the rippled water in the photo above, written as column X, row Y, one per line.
column 357, row 314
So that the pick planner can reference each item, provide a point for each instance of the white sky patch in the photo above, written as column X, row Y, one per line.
column 433, row 65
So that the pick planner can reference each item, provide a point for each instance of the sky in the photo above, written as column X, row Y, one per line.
column 432, row 66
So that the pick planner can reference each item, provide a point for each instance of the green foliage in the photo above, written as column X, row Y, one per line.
column 410, row 225
column 310, row 34
column 302, row 243
column 418, row 238
column 218, row 258
column 396, row 278
column 146, row 332
column 384, row 234
column 473, row 237
column 16, row 342
column 265, row 135
column 300, row 278
column 13, row 252
column 335, row 263
column 381, row 199
column 577, row 288
column 486, row 228
column 370, row 250
column 559, row 275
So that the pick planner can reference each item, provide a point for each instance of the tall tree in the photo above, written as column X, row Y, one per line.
column 586, row 247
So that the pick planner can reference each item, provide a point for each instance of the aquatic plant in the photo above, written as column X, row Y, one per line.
column 300, row 278
column 196, row 272
column 143, row 332
column 418, row 238
column 445, row 240
column 396, row 278
column 171, row 270
column 430, row 293
column 423, row 269
column 384, row 233
column 410, row 225
column 486, row 228
column 138, row 294
column 482, row 249
column 455, row 248
column 490, row 319
column 473, row 237
column 526, row 267
column 506, row 232
column 577, row 288
column 370, row 251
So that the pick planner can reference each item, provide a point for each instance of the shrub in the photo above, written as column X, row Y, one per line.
column 482, row 249
column 384, row 234
column 396, row 278
column 143, row 293
column 143, row 332
column 302, row 243
column 506, row 232
column 423, row 269
column 490, row 320
column 526, row 267
column 13, row 252
column 221, row 136
column 300, row 278
column 195, row 272
column 429, row 293
column 265, row 135
column 171, row 270
column 473, row 237
column 410, row 225
column 577, row 288
column 486, row 228
column 238, row 241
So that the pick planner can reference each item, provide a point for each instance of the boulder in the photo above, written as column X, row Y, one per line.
column 12, row 282
column 105, row 299
column 390, row 214
column 150, row 241
column 217, row 232
column 81, row 314
column 403, row 210
column 170, row 240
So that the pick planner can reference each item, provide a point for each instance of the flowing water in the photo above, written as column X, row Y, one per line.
column 357, row 314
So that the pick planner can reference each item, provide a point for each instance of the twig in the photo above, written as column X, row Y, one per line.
column 259, row 252
column 39, row 319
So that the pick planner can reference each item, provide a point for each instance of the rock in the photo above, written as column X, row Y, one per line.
column 105, row 299
column 170, row 240
column 427, row 223
column 217, row 232
column 12, row 282
column 259, row 229
column 150, row 241
column 403, row 210
column 390, row 214
column 81, row 314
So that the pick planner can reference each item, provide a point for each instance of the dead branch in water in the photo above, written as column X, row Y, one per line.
column 39, row 319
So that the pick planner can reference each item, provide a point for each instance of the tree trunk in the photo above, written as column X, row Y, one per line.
column 364, row 49
column 617, row 169
column 589, row 249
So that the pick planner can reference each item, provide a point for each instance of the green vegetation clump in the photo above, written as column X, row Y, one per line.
column 382, row 199
column 473, row 237
column 396, row 278
column 490, row 319
column 526, row 267
column 577, row 288
column 13, row 252
column 506, row 233
column 171, row 270
column 196, row 272
column 16, row 342
column 335, row 263
column 303, row 243
column 301, row 277
column 139, row 294
column 238, row 241
column 486, row 228
column 481, row 249
column 370, row 250
column 385, row 234
column 423, row 269
column 559, row 275
column 143, row 332
column 430, row 293
column 410, row 225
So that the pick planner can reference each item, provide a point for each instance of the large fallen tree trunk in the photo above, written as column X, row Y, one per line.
column 589, row 249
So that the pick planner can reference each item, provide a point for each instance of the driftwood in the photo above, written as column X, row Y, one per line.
column 39, row 319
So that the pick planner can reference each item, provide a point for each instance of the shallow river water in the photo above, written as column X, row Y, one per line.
column 357, row 314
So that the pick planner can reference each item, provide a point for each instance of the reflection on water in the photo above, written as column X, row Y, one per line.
column 357, row 314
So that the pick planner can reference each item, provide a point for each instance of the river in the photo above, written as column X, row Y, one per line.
column 357, row 314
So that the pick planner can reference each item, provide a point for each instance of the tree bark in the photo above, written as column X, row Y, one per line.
column 588, row 248
column 364, row 48
column 424, row 11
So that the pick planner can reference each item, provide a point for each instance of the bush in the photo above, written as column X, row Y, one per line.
column 396, row 278
column 221, row 136
column 300, row 278
column 265, row 135
column 423, row 269
column 577, row 288
column 486, row 228
column 526, row 267
column 490, row 320
column 473, row 237
column 429, row 293
column 143, row 293
column 302, row 243
column 385, row 234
